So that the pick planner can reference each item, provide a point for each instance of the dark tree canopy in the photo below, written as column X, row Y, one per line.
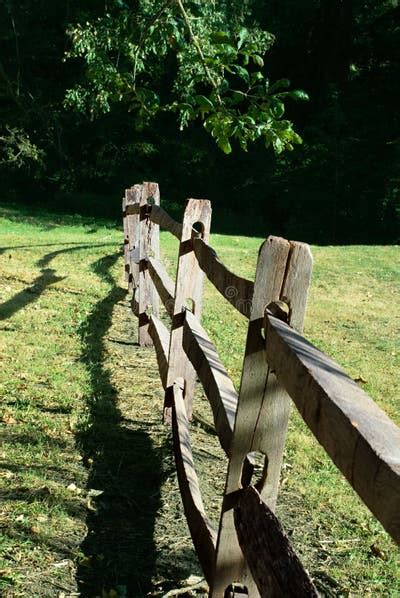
column 341, row 185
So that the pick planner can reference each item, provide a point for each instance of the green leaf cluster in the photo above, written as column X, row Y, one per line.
column 218, row 72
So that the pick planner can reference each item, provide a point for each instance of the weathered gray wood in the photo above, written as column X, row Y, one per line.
column 160, row 336
column 215, row 380
column 126, row 240
column 297, row 282
column 159, row 216
column 237, row 290
column 188, row 289
column 131, row 232
column 149, row 244
column 135, row 302
column 359, row 437
column 164, row 285
column 271, row 267
column 201, row 530
column 273, row 563
column 270, row 433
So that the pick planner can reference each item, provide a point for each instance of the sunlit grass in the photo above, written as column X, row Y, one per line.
column 50, row 287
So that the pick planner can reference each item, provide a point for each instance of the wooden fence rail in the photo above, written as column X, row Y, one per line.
column 250, row 555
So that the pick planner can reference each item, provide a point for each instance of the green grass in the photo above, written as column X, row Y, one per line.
column 80, row 413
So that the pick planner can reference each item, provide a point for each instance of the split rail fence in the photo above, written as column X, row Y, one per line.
column 250, row 555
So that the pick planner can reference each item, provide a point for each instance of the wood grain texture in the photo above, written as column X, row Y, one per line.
column 164, row 285
column 273, row 563
column 201, row 531
column 160, row 336
column 359, row 437
column 215, row 380
column 149, row 245
column 135, row 302
column 237, row 290
column 297, row 282
column 188, row 288
column 131, row 231
column 270, row 273
column 160, row 216
column 273, row 418
column 126, row 240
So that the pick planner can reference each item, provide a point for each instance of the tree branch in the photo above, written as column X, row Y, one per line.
column 198, row 49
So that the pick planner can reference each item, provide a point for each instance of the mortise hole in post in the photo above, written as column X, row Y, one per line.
column 280, row 309
column 254, row 470
column 236, row 590
column 198, row 230
column 151, row 201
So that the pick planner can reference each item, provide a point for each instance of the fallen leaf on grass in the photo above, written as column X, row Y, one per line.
column 42, row 518
column 94, row 492
column 360, row 379
column 193, row 579
column 74, row 488
column 64, row 563
column 8, row 420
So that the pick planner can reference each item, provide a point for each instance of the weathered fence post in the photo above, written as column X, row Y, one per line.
column 188, row 290
column 149, row 246
column 126, row 239
column 131, row 236
column 283, row 273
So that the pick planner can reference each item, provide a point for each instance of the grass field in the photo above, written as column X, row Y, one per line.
column 89, row 501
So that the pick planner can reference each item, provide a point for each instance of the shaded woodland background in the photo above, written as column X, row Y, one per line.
column 341, row 186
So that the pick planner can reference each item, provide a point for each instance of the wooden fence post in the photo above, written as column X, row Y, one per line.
column 149, row 246
column 131, row 237
column 283, row 273
column 126, row 239
column 188, row 289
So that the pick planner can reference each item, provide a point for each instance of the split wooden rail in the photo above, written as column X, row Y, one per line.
column 250, row 555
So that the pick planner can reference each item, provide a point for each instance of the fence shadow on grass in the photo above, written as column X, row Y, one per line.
column 119, row 548
column 48, row 277
column 30, row 294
